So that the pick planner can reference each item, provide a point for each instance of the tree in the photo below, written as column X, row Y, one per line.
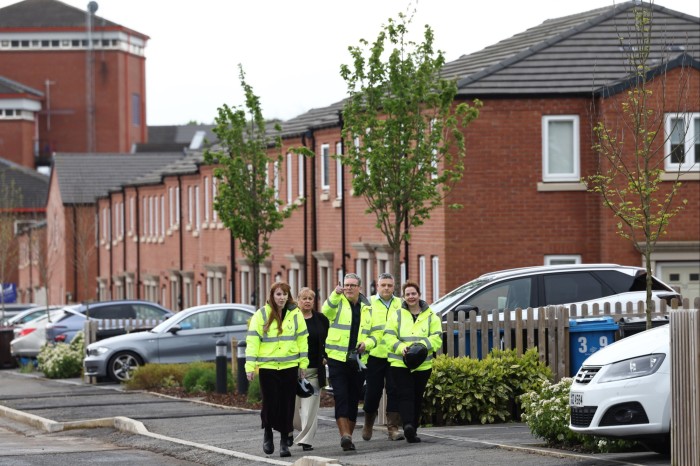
column 630, row 145
column 247, row 201
column 400, row 125
column 10, row 201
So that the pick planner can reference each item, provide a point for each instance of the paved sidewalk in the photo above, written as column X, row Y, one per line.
column 210, row 434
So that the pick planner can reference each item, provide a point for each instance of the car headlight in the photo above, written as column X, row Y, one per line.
column 631, row 368
column 100, row 350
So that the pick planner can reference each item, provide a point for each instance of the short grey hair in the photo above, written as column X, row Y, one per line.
column 352, row 275
column 385, row 276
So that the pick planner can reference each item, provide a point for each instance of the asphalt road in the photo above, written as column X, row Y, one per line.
column 77, row 423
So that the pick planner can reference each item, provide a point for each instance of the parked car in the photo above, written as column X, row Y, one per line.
column 65, row 327
column 190, row 335
column 553, row 285
column 26, row 316
column 624, row 391
column 30, row 337
column 8, row 310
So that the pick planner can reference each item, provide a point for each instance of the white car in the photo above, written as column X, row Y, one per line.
column 624, row 391
column 553, row 285
column 30, row 337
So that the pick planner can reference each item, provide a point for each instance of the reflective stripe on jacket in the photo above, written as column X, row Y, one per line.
column 401, row 331
column 271, row 350
column 380, row 313
column 337, row 309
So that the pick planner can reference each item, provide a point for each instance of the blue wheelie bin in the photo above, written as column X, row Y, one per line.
column 588, row 335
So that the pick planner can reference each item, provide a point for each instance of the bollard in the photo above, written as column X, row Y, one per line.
column 242, row 379
column 221, row 366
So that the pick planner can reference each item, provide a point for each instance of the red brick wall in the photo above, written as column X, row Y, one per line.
column 16, row 139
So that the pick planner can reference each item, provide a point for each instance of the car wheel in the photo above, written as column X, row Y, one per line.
column 122, row 365
column 661, row 445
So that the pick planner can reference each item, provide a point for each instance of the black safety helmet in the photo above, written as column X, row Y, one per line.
column 304, row 388
column 415, row 355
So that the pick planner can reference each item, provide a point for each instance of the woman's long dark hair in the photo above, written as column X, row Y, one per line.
column 276, row 314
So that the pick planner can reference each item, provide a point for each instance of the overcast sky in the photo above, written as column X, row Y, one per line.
column 291, row 50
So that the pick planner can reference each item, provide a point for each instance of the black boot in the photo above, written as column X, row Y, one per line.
column 284, row 448
column 290, row 440
column 268, row 446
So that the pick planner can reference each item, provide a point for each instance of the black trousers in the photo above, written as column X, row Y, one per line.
column 410, row 387
column 347, row 382
column 378, row 377
column 278, row 388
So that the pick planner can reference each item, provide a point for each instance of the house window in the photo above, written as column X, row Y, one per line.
column 682, row 142
column 136, row 109
column 144, row 231
column 171, row 204
column 421, row 275
column 162, row 215
column 325, row 167
column 560, row 148
column 555, row 259
column 177, row 205
column 300, row 175
column 190, row 206
column 214, row 213
column 206, row 199
column 197, row 219
column 289, row 178
column 276, row 180
column 132, row 214
column 436, row 277
column 338, row 171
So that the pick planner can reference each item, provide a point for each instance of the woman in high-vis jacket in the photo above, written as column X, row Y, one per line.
column 277, row 345
column 350, row 316
column 414, row 323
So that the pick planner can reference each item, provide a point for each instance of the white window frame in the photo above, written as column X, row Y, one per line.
column 691, row 159
column 435, row 262
column 276, row 180
column 206, row 199
column 289, row 179
column 145, row 216
column 214, row 192
column 300, row 175
column 171, row 204
column 132, row 214
column 421, row 274
column 197, row 217
column 162, row 215
column 325, row 167
column 190, row 200
column 575, row 174
column 562, row 259
column 177, row 206
column 338, row 171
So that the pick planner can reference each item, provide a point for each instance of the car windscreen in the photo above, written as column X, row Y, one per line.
column 448, row 301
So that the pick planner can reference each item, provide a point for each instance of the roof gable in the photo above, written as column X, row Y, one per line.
column 50, row 14
column 575, row 54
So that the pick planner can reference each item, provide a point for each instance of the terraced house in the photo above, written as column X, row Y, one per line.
column 524, row 202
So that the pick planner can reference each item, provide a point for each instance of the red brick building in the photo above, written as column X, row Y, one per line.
column 524, row 202
column 84, row 83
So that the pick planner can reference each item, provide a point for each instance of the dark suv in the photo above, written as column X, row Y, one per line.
column 553, row 285
column 73, row 319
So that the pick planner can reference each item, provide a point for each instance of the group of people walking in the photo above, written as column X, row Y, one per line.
column 385, row 342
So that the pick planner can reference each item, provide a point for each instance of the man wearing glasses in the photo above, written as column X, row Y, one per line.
column 349, row 339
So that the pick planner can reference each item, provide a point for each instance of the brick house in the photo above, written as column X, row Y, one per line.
column 83, row 83
column 524, row 202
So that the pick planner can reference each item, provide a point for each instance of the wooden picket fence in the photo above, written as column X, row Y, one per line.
column 685, row 386
column 523, row 329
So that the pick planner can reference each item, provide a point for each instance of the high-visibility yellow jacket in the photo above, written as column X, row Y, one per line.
column 380, row 312
column 337, row 309
column 401, row 331
column 270, row 350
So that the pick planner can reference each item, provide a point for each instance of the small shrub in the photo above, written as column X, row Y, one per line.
column 62, row 360
column 155, row 376
column 467, row 391
column 546, row 412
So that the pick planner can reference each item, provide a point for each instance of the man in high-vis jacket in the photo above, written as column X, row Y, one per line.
column 377, row 374
column 349, row 339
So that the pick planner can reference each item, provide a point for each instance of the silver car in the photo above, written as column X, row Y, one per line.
column 190, row 335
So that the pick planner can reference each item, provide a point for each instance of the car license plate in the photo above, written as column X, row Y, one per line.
column 575, row 399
